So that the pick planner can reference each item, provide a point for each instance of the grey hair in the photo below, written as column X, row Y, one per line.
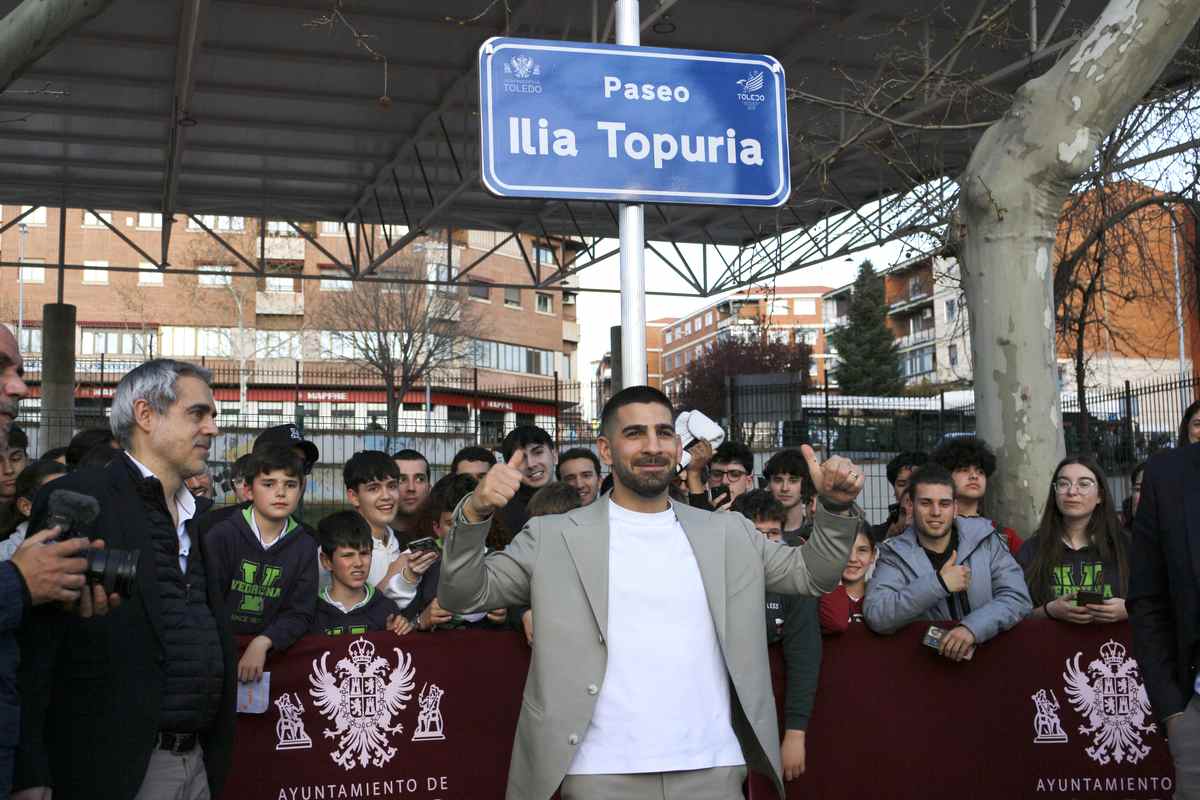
column 153, row 382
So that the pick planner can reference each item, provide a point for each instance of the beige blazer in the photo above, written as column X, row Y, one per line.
column 558, row 565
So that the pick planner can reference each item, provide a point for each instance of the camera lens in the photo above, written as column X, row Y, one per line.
column 115, row 570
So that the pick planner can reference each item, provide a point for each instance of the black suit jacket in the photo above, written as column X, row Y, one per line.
column 92, row 689
column 1164, row 581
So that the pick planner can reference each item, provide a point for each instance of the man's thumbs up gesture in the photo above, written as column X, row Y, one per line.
column 497, row 487
column 838, row 480
column 957, row 577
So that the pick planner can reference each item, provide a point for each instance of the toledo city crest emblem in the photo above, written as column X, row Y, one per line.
column 1111, row 697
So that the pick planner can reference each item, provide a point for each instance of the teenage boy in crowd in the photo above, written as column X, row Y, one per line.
column 733, row 464
column 373, row 488
column 474, row 461
column 791, row 619
column 787, row 478
column 899, row 473
column 413, row 486
column 29, row 481
column 580, row 468
column 537, row 471
column 972, row 462
column 842, row 607
column 946, row 567
column 266, row 561
column 425, row 610
column 350, row 604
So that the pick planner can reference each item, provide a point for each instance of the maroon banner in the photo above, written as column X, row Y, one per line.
column 1046, row 710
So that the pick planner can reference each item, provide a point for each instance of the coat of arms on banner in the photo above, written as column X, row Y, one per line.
column 1111, row 696
column 429, row 721
column 361, row 696
column 1046, row 726
column 289, row 730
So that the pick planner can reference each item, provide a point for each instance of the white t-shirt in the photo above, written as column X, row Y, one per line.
column 664, row 705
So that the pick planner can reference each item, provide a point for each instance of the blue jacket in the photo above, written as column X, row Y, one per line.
column 14, row 599
column 905, row 587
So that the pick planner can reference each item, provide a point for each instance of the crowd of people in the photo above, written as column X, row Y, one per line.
column 166, row 660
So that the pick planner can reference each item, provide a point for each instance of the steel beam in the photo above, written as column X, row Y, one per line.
column 192, row 16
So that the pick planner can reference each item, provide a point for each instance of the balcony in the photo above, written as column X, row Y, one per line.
column 570, row 331
column 832, row 323
column 284, row 248
column 286, row 304
column 916, row 338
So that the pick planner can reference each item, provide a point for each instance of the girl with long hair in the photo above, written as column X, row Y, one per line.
column 1079, row 548
column 1189, row 425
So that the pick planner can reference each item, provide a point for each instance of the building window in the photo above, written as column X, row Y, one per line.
column 545, row 303
column 667, row 336
column 780, row 308
column 218, row 223
column 148, row 220
column 335, row 284
column 804, row 307
column 329, row 228
column 708, row 318
column 31, row 274
column 96, row 276
column 215, row 275
column 92, row 221
column 38, row 217
column 953, row 355
column 278, row 227
column 277, row 344
column 216, row 342
column 480, row 291
column 31, row 340
column 544, row 255
column 514, row 358
column 115, row 342
column 687, row 328
column 952, row 309
column 149, row 275
column 337, row 344
column 512, row 297
column 280, row 284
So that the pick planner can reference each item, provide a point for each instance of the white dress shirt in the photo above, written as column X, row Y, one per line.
column 185, row 509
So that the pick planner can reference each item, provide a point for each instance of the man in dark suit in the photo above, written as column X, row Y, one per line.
column 1164, row 603
column 139, row 703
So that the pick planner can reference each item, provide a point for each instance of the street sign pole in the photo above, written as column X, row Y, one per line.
column 633, row 242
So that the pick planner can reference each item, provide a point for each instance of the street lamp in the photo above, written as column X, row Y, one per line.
column 23, row 229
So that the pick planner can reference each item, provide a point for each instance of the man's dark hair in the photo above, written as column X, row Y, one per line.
column 99, row 456
column 1188, row 413
column 629, row 396
column 555, row 497
column 274, row 457
column 448, row 492
column 239, row 469
column 787, row 462
column 369, row 465
column 963, row 452
column 932, row 474
column 32, row 476
column 734, row 453
column 53, row 454
column 343, row 529
column 412, row 455
column 472, row 453
column 760, row 504
column 910, row 459
column 18, row 439
column 82, row 442
column 523, row 436
column 575, row 452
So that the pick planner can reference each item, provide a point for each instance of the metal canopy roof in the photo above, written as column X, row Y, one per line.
column 282, row 118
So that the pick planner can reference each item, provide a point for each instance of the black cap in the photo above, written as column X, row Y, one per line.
column 289, row 434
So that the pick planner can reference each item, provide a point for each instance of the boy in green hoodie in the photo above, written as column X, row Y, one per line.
column 267, row 559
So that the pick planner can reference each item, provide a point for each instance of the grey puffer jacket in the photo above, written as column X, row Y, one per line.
column 905, row 588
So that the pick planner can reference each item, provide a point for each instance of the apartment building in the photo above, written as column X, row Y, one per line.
column 793, row 314
column 272, row 326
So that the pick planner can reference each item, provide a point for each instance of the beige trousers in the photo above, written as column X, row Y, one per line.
column 717, row 783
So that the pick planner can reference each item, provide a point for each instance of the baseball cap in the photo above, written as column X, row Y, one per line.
column 289, row 434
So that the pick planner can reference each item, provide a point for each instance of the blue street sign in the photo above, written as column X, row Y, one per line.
column 585, row 121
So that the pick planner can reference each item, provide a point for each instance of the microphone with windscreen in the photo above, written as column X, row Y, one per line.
column 73, row 513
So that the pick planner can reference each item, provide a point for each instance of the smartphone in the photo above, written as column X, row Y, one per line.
column 426, row 544
column 1089, row 599
column 718, row 493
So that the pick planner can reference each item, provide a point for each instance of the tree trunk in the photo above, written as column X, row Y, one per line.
column 32, row 29
column 1012, row 193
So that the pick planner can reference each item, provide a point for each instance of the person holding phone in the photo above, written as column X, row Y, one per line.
column 1077, row 565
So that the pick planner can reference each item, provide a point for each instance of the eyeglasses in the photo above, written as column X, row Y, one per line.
column 732, row 474
column 1082, row 486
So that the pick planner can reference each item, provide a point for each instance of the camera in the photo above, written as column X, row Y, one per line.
column 115, row 570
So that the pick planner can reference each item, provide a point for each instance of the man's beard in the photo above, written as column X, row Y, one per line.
column 644, row 485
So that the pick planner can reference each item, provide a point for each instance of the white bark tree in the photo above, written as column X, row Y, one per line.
column 1012, row 193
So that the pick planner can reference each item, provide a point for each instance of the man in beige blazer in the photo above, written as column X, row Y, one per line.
column 649, row 677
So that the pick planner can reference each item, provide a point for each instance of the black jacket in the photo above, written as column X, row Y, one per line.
column 1164, row 580
column 14, row 604
column 792, row 619
column 372, row 616
column 92, row 690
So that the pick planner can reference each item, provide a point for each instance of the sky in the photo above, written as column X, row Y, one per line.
column 599, row 311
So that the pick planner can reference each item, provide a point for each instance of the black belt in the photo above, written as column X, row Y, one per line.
column 177, row 742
